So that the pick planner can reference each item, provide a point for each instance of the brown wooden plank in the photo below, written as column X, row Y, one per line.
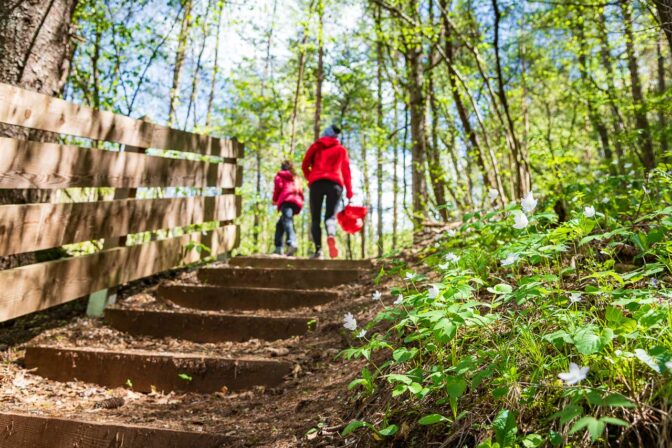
column 30, row 227
column 162, row 370
column 29, row 109
column 18, row 430
column 48, row 165
column 298, row 263
column 290, row 278
column 205, row 327
column 39, row 286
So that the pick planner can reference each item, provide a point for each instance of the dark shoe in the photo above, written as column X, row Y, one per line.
column 317, row 255
column 333, row 248
column 291, row 250
column 277, row 251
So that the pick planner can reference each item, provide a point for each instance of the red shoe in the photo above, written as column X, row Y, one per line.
column 333, row 249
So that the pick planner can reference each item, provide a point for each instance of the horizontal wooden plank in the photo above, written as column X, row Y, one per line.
column 33, row 110
column 48, row 165
column 39, row 286
column 18, row 430
column 30, row 227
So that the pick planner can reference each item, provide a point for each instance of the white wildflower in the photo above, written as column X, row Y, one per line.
column 451, row 257
column 411, row 276
column 589, row 211
column 376, row 296
column 627, row 166
column 433, row 292
column 510, row 259
column 528, row 203
column 349, row 322
column 451, row 233
column 20, row 380
column 444, row 266
column 361, row 333
column 492, row 194
column 520, row 221
column 605, row 200
column 668, row 365
column 575, row 297
column 647, row 359
column 400, row 298
column 575, row 375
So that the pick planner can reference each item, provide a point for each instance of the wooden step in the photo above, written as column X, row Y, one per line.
column 278, row 277
column 298, row 263
column 215, row 298
column 18, row 430
column 204, row 327
column 140, row 370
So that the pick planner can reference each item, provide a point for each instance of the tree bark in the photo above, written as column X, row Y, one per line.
column 662, row 121
column 180, row 54
column 641, row 120
column 297, row 92
column 380, row 131
column 665, row 15
column 215, row 68
column 197, row 69
column 319, row 75
column 36, row 49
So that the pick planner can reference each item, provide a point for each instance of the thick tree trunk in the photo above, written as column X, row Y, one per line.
column 641, row 120
column 665, row 15
column 36, row 52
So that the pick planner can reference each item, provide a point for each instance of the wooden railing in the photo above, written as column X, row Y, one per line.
column 52, row 166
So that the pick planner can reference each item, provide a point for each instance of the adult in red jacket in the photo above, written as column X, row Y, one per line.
column 327, row 168
column 288, row 197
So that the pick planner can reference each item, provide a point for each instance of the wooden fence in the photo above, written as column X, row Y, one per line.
column 52, row 166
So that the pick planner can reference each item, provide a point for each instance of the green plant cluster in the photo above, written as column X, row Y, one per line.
column 485, row 327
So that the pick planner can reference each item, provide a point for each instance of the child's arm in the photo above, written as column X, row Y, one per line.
column 276, row 189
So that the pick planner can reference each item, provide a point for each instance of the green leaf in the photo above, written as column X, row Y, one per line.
column 455, row 386
column 389, row 431
column 588, row 341
column 354, row 425
column 568, row 413
column 432, row 419
column 501, row 288
column 403, row 354
column 445, row 330
column 594, row 426
column 399, row 379
column 617, row 400
column 505, row 428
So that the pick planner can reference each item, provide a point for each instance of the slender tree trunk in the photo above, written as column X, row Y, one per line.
column 215, row 68
column 662, row 122
column 665, row 15
column 379, row 132
column 182, row 41
column 593, row 115
column 395, row 182
column 367, row 189
column 197, row 69
column 616, row 117
column 297, row 92
column 523, row 183
column 319, row 75
column 641, row 120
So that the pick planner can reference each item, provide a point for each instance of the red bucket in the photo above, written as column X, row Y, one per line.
column 351, row 218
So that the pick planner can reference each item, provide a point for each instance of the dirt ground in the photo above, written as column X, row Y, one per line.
column 309, row 409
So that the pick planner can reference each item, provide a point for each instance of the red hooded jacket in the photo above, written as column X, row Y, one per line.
column 287, row 189
column 327, row 159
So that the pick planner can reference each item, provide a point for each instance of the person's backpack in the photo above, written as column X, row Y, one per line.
column 351, row 218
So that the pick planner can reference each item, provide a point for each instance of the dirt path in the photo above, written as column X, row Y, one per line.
column 296, row 396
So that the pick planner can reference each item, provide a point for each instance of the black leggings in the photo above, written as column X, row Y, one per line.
column 320, row 190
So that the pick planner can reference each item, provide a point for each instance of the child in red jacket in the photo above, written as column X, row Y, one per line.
column 327, row 168
column 288, row 196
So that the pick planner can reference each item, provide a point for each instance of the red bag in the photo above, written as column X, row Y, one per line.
column 351, row 218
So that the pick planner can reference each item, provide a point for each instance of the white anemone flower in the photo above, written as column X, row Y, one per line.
column 520, row 221
column 451, row 233
column 605, row 200
column 647, row 359
column 349, row 322
column 575, row 297
column 376, row 296
column 434, row 292
column 589, row 211
column 411, row 276
column 510, row 259
column 575, row 375
column 492, row 194
column 400, row 298
column 668, row 365
column 528, row 203
column 361, row 333
column 451, row 257
column 627, row 165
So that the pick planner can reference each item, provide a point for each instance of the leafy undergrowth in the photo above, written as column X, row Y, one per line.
column 520, row 330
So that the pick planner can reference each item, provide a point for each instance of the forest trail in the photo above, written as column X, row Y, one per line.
column 210, row 318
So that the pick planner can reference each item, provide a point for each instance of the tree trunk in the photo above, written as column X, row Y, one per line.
column 367, row 189
column 36, row 52
column 182, row 41
column 593, row 115
column 319, row 75
column 395, row 182
column 197, row 69
column 662, row 122
column 215, row 68
column 379, row 132
column 418, row 133
column 297, row 92
column 665, row 15
column 641, row 120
